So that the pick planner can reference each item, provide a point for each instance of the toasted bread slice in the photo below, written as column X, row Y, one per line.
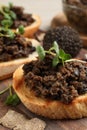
column 48, row 108
column 31, row 29
column 7, row 68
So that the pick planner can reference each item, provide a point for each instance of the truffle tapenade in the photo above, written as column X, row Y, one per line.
column 15, row 48
column 62, row 83
column 21, row 18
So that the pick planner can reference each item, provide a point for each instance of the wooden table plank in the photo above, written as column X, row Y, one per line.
column 3, row 128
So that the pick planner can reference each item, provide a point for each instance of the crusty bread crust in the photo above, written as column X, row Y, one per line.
column 48, row 108
column 7, row 68
column 31, row 29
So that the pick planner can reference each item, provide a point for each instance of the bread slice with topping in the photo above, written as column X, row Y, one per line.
column 47, row 107
column 30, row 30
column 8, row 67
column 15, row 16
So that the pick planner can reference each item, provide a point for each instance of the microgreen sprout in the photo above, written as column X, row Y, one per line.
column 7, row 32
column 12, row 98
column 10, row 5
column 20, row 29
column 7, row 12
column 59, row 56
column 7, row 22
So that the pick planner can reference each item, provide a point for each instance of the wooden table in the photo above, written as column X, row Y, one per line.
column 80, row 124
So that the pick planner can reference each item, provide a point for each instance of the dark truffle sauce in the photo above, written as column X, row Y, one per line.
column 62, row 83
column 23, row 18
column 15, row 48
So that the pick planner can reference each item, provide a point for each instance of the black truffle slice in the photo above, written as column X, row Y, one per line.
column 67, row 38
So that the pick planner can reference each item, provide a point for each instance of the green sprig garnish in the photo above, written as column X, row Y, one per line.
column 11, row 34
column 20, row 29
column 7, row 32
column 41, row 52
column 10, row 5
column 59, row 56
column 12, row 98
column 7, row 12
column 7, row 22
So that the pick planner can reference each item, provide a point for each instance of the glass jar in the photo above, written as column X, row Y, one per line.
column 76, row 13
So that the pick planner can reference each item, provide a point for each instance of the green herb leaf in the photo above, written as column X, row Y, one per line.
column 5, row 32
column 12, row 14
column 6, row 9
column 6, row 23
column 56, row 47
column 11, row 34
column 21, row 29
column 41, row 52
column 10, row 4
column 64, row 56
column 55, row 61
column 61, row 54
column 12, row 100
column 6, row 16
column 2, row 29
column 67, row 57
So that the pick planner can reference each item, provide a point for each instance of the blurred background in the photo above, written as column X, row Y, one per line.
column 46, row 9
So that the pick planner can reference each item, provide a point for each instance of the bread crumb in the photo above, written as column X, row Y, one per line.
column 17, row 121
